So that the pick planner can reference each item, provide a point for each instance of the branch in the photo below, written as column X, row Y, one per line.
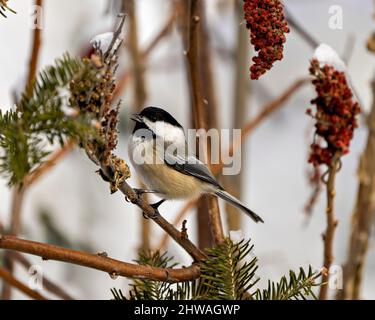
column 99, row 262
column 331, row 226
column 47, row 284
column 148, row 210
column 47, row 165
column 18, row 192
column 12, row 281
column 35, row 51
column 124, row 78
column 177, row 221
column 363, row 216
column 199, row 89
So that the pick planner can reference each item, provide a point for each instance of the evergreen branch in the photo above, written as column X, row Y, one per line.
column 38, row 119
column 145, row 289
column 228, row 275
column 297, row 287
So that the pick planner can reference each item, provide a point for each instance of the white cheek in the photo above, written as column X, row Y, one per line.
column 167, row 131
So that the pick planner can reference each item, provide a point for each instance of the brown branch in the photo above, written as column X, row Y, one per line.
column 15, row 226
column 328, row 236
column 35, row 51
column 148, row 210
column 47, row 165
column 18, row 192
column 99, row 262
column 363, row 216
column 123, row 79
column 18, row 195
column 140, row 93
column 199, row 91
column 12, row 281
column 242, row 89
column 47, row 284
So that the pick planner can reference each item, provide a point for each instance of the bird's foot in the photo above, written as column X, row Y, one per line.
column 139, row 193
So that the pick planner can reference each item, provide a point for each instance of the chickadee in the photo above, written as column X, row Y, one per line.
column 156, row 139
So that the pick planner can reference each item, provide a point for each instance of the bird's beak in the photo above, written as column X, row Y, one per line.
column 137, row 118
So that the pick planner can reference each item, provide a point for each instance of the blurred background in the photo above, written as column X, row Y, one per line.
column 71, row 206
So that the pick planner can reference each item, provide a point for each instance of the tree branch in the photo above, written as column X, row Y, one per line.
column 18, row 192
column 47, row 284
column 148, row 210
column 35, row 51
column 47, row 165
column 328, row 236
column 99, row 262
column 195, row 60
column 363, row 216
column 167, row 28
column 177, row 221
column 12, row 281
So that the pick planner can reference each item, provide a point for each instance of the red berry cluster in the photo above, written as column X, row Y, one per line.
column 335, row 115
column 267, row 24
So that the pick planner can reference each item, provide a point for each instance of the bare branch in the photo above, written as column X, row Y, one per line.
column 12, row 281
column 99, row 262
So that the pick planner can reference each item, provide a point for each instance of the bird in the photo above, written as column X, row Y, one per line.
column 159, row 153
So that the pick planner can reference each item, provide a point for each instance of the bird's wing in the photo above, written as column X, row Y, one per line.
column 191, row 165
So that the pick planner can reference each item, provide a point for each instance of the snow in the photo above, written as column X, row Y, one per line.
column 236, row 236
column 327, row 56
column 104, row 40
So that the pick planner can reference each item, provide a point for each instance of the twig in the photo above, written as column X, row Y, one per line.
column 125, row 77
column 363, row 216
column 328, row 236
column 148, row 210
column 15, row 226
column 242, row 89
column 140, row 94
column 198, row 90
column 35, row 52
column 47, row 165
column 18, row 192
column 177, row 221
column 47, row 284
column 12, row 281
column 111, row 266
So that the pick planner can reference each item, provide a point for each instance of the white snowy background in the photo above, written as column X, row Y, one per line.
column 274, row 169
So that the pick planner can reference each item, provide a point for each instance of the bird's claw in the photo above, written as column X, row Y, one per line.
column 156, row 213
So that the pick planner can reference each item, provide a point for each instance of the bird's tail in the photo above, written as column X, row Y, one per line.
column 237, row 203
